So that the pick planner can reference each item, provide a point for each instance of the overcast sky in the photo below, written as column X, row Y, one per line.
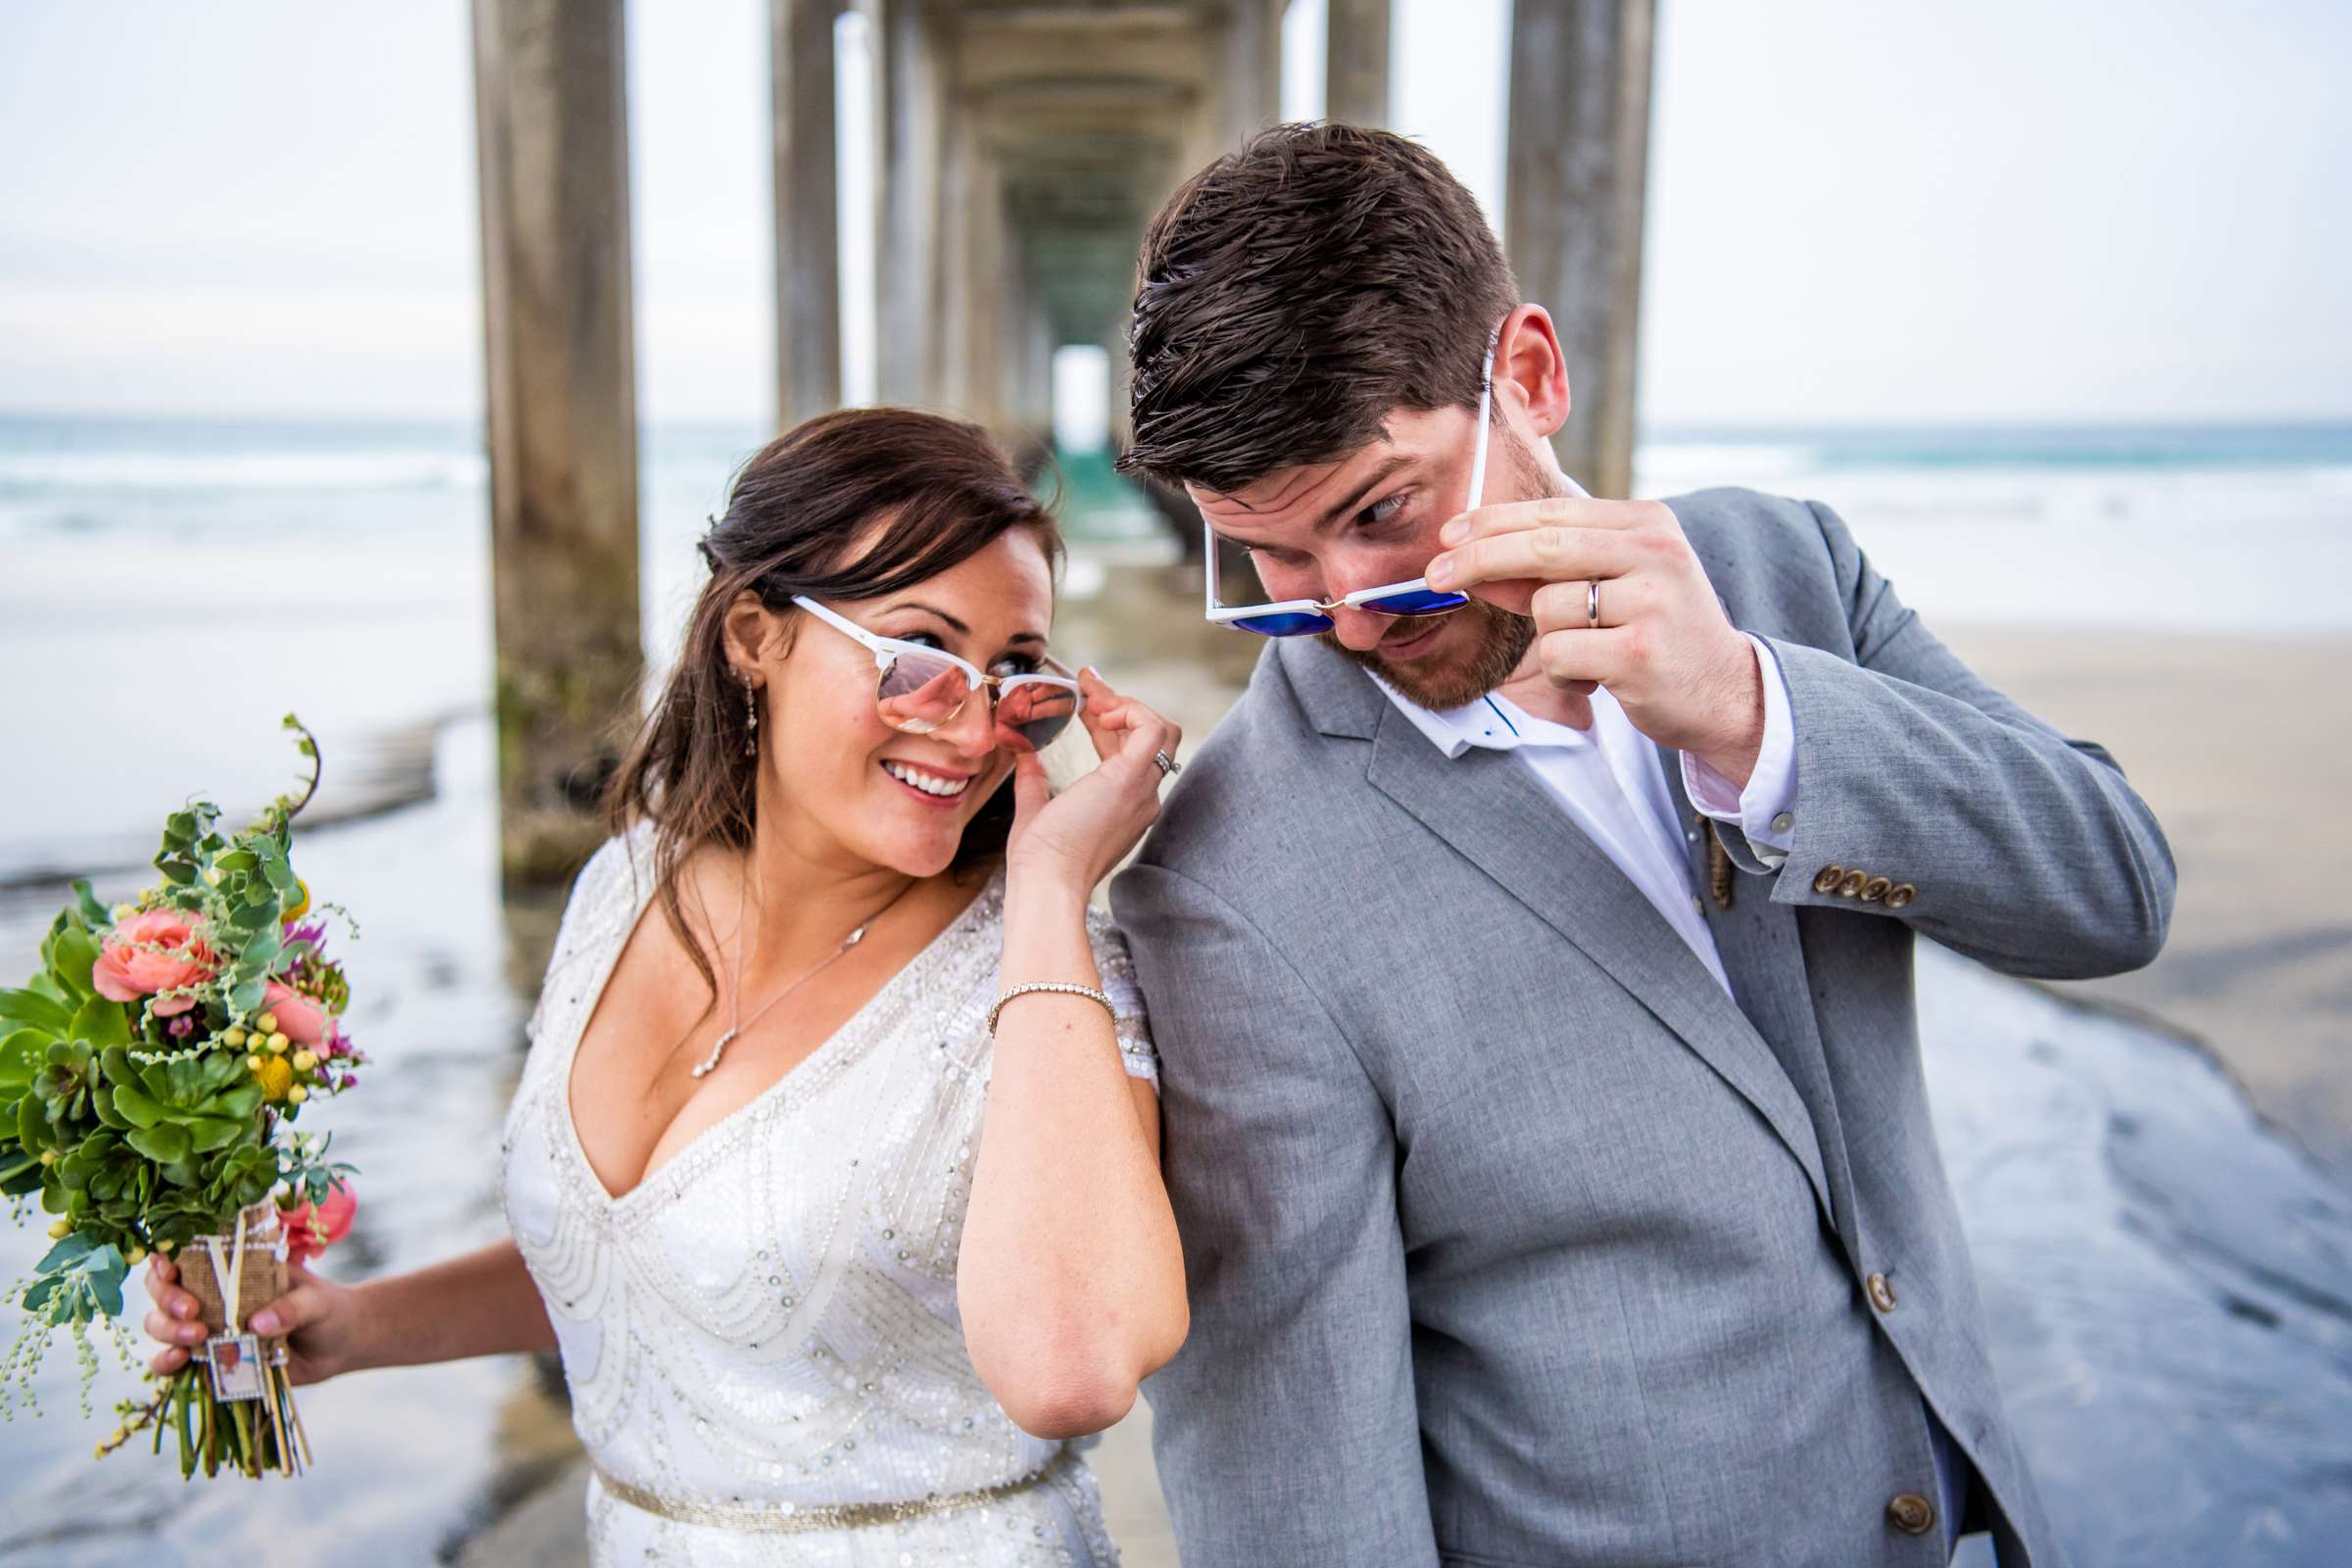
column 2006, row 210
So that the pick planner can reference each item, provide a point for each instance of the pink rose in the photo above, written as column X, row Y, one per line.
column 311, row 1227
column 151, row 951
column 299, row 1018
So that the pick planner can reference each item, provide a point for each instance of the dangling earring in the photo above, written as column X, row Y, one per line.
column 751, row 717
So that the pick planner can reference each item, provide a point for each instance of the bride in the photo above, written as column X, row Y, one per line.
column 833, row 1169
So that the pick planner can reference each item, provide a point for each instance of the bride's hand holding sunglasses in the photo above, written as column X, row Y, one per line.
column 1078, row 837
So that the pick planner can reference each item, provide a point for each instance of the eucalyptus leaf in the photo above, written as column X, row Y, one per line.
column 262, row 947
column 177, row 872
column 105, row 1268
column 63, row 1253
column 94, row 913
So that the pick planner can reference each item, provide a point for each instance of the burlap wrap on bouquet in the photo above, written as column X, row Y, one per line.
column 261, row 1274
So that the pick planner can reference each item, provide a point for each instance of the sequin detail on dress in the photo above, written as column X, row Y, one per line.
column 768, row 1319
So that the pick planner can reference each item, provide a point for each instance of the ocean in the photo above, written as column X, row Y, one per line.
column 168, row 588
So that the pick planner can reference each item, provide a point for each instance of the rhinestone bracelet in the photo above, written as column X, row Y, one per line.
column 1060, row 985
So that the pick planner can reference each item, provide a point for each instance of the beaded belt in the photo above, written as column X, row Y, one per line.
column 795, row 1518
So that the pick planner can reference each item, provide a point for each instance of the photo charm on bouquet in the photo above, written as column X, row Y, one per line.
column 237, row 1364
column 151, row 1074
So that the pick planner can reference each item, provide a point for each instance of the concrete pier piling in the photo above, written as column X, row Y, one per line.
column 806, row 209
column 550, row 88
column 1577, row 163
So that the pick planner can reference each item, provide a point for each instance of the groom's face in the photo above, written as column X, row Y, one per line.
column 1323, row 530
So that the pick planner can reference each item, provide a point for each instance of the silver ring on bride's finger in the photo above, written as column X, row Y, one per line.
column 1593, row 603
column 1169, row 768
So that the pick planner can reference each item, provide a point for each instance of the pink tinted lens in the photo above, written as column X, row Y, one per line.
column 918, row 694
column 1029, row 715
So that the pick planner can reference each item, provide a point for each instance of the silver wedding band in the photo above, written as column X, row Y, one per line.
column 1169, row 768
column 1592, row 601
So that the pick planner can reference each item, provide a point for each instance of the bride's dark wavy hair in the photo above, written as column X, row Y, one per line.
column 796, row 513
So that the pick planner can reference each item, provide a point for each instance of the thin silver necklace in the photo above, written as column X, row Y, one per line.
column 736, row 1022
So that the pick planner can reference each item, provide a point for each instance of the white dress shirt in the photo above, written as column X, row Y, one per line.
column 1611, row 782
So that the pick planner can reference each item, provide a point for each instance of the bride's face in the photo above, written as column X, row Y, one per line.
column 840, row 780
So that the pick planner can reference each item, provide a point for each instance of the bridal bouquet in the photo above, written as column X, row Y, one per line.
column 151, row 1074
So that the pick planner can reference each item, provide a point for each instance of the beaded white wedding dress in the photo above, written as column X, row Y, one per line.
column 761, row 1337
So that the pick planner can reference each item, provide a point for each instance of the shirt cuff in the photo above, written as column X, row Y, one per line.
column 1766, row 810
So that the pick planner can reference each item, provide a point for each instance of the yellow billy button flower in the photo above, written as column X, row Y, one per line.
column 305, row 1060
column 277, row 1041
column 49, row 1156
column 275, row 1077
column 137, row 1255
column 254, row 1062
column 267, row 1023
column 297, row 1095
column 233, row 1037
column 59, row 1228
column 124, row 911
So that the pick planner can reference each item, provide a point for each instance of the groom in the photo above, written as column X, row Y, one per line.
column 1533, row 983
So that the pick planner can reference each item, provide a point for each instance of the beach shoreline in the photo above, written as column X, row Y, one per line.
column 2225, row 739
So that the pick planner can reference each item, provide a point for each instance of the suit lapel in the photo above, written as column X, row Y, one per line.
column 1497, row 814
column 1759, row 943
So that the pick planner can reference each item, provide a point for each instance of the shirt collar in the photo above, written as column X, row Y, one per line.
column 1492, row 722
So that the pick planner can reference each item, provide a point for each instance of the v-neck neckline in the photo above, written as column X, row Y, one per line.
column 659, row 1175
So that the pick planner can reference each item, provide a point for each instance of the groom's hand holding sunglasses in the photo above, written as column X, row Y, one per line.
column 1619, row 599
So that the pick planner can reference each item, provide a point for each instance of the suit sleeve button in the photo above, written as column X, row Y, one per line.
column 1874, row 889
column 1882, row 1293
column 1852, row 883
column 1912, row 1514
column 1900, row 895
column 1827, row 881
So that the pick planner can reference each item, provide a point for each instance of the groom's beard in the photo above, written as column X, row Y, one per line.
column 1488, row 643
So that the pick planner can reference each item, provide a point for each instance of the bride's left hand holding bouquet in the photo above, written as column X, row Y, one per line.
column 151, row 1074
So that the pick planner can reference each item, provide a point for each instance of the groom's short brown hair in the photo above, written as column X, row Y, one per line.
column 1296, row 291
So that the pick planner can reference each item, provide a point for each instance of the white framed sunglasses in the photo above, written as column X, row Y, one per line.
column 918, row 688
column 1302, row 618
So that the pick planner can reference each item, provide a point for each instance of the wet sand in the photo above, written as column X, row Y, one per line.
column 2243, row 749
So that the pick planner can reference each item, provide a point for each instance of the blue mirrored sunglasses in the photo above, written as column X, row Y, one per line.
column 1304, row 617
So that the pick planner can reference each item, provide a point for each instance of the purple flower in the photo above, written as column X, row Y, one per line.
column 183, row 1026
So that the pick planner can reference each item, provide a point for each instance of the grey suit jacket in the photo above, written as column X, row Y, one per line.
column 1512, row 1238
